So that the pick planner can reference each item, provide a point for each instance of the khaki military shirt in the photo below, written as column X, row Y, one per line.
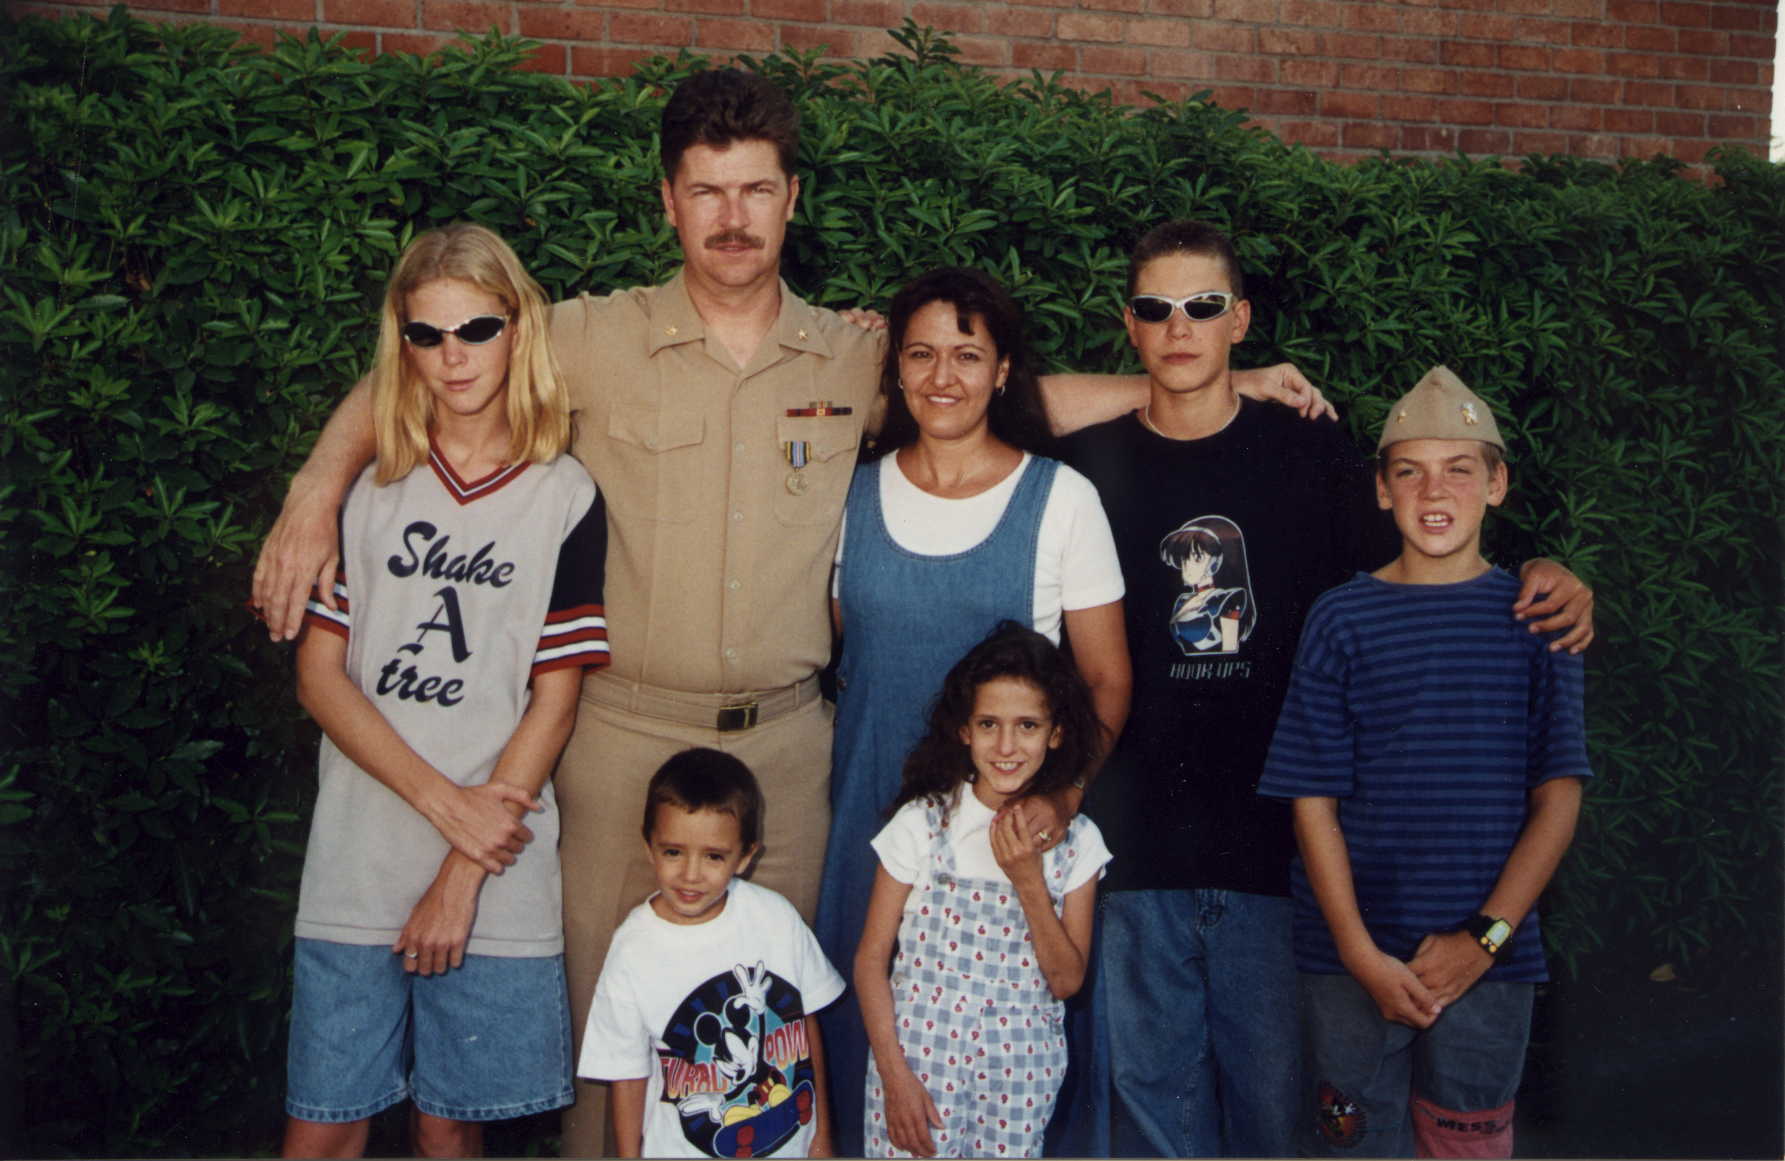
column 719, row 549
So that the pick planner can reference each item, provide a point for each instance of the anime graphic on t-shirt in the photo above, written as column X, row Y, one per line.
column 736, row 1063
column 1216, row 611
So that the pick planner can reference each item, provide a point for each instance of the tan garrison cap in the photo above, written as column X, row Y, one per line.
column 1440, row 406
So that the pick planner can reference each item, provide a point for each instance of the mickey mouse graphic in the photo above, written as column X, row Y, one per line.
column 758, row 1110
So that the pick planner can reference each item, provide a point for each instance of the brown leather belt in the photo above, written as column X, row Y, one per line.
column 724, row 712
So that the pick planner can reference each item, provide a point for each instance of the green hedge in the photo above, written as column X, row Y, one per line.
column 192, row 239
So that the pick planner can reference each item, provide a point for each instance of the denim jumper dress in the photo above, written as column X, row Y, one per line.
column 907, row 618
column 972, row 1009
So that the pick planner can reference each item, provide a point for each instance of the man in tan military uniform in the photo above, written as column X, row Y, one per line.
column 691, row 393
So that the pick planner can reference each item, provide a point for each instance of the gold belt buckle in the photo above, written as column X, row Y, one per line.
column 737, row 717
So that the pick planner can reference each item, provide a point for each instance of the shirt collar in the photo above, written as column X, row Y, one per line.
column 675, row 321
column 797, row 328
column 673, row 318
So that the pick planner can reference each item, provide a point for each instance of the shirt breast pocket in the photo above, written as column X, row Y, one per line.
column 655, row 471
column 825, row 445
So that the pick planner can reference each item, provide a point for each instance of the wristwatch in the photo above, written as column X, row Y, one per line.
column 1489, row 932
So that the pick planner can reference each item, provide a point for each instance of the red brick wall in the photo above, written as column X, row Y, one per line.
column 1597, row 78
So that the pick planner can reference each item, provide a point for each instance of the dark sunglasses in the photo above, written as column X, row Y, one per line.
column 1203, row 307
column 473, row 332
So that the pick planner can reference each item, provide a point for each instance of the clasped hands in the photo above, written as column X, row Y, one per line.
column 485, row 837
column 1416, row 992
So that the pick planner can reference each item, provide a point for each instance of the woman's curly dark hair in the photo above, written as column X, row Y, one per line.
column 940, row 762
column 1015, row 415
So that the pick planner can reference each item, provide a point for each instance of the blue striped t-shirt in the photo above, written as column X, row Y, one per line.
column 1429, row 713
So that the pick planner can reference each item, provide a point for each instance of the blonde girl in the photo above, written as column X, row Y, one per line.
column 429, row 951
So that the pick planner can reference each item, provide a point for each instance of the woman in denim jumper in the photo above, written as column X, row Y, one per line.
column 958, row 525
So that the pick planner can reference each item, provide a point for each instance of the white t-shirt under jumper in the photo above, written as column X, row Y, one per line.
column 1076, row 566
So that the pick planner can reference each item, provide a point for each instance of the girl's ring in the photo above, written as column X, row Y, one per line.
column 412, row 955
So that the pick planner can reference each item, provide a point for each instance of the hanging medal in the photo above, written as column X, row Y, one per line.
column 798, row 452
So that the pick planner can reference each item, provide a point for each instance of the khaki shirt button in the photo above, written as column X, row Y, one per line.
column 731, row 654
column 737, row 516
column 734, row 584
column 738, row 446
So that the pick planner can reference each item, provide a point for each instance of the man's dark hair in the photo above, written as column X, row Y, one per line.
column 720, row 106
column 702, row 779
column 1186, row 237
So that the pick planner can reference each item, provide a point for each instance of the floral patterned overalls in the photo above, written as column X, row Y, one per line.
column 972, row 1009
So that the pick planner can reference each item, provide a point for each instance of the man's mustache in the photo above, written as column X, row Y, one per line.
column 734, row 238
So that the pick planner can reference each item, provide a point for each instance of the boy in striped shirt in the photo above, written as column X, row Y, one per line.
column 1435, row 752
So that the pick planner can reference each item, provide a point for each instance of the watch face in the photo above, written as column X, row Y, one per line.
column 1491, row 933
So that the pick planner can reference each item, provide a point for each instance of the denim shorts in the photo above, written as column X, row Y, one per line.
column 1364, row 1070
column 482, row 1042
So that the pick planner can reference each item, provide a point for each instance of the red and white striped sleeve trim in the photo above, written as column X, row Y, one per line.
column 338, row 620
column 575, row 636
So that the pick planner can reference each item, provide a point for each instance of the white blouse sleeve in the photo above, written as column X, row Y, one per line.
column 904, row 843
column 1076, row 566
column 1087, row 851
column 1092, row 574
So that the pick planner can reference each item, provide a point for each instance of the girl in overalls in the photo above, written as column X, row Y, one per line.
column 967, row 1037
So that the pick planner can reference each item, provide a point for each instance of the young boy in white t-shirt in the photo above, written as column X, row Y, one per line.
column 703, row 1016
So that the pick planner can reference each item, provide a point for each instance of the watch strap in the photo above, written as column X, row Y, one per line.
column 1490, row 932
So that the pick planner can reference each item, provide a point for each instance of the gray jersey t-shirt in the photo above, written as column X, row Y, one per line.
column 456, row 593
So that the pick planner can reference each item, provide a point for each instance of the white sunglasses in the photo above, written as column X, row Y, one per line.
column 1204, row 306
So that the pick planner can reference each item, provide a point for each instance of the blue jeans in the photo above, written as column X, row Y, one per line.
column 1198, row 990
column 483, row 1042
column 1363, row 1070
